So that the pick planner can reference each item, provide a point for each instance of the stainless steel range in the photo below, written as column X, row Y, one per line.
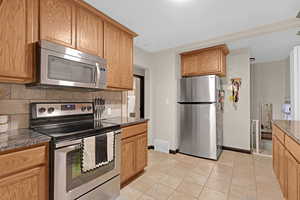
column 69, row 124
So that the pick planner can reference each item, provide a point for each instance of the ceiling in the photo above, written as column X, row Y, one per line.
column 269, row 47
column 163, row 24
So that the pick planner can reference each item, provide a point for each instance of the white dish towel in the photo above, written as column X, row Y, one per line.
column 89, row 152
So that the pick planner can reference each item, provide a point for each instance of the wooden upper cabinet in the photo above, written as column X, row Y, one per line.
column 89, row 32
column 206, row 61
column 118, row 51
column 126, row 60
column 112, row 54
column 18, row 33
column 57, row 21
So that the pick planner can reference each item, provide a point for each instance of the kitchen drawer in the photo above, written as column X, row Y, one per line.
column 278, row 133
column 134, row 130
column 293, row 147
column 21, row 160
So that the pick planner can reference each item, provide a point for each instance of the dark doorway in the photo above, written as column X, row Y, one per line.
column 136, row 98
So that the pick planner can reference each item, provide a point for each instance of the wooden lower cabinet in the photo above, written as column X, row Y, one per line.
column 142, row 152
column 281, row 167
column 134, row 152
column 286, row 164
column 275, row 155
column 24, row 181
column 292, row 178
column 26, row 185
column 128, row 158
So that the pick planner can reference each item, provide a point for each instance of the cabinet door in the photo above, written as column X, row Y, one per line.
column 142, row 152
column 18, row 32
column 281, row 167
column 128, row 166
column 189, row 65
column 208, row 62
column 89, row 32
column 292, row 177
column 57, row 20
column 275, row 155
column 126, row 60
column 112, row 54
column 27, row 185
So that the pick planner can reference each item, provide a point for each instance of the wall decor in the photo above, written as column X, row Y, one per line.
column 234, row 87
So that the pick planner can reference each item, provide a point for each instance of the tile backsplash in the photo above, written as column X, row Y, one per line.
column 15, row 100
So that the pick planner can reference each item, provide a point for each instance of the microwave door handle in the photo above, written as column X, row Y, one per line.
column 97, row 75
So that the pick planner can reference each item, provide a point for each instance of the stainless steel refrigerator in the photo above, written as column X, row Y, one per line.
column 201, row 117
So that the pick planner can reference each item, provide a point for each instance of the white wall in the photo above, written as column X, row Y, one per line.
column 164, row 101
column 237, row 119
column 144, row 60
column 164, row 70
column 270, row 85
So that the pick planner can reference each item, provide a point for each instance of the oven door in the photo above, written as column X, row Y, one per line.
column 70, row 69
column 71, row 183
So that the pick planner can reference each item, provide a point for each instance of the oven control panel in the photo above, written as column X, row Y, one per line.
column 41, row 110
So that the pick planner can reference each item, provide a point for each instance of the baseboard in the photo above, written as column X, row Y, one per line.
column 173, row 151
column 151, row 147
column 237, row 150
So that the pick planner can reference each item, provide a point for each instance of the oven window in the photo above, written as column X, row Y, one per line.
column 75, row 177
column 68, row 70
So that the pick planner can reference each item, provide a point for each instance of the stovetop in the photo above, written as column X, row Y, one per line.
column 68, row 120
column 76, row 129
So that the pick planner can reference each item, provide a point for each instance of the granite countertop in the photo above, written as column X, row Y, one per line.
column 290, row 127
column 20, row 138
column 125, row 121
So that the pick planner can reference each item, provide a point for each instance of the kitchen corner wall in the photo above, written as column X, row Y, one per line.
column 15, row 100
column 236, row 123
column 164, row 70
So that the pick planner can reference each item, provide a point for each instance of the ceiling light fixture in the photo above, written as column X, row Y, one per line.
column 298, row 16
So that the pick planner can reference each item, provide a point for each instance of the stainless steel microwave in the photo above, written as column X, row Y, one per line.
column 60, row 66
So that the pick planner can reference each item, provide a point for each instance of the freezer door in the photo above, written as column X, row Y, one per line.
column 198, row 130
column 199, row 89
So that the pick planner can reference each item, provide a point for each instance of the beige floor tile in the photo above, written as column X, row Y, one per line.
column 130, row 193
column 217, row 184
column 236, row 176
column 160, row 192
column 208, row 194
column 195, row 178
column 241, row 193
column 189, row 188
column 155, row 176
column 146, row 197
column 180, row 196
column 177, row 172
column 142, row 184
column 171, row 181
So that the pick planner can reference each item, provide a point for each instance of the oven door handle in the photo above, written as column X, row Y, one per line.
column 68, row 143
